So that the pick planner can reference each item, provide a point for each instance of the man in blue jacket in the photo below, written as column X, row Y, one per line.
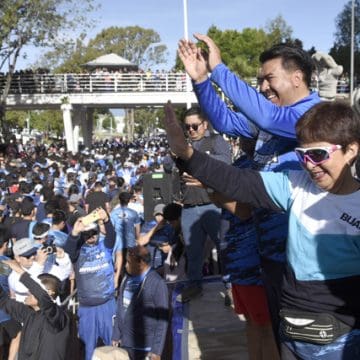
column 269, row 117
column 90, row 251
column 142, row 312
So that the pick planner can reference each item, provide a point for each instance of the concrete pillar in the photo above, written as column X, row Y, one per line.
column 68, row 127
column 87, row 127
column 79, row 118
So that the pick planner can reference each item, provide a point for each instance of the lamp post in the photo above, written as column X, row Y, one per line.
column 186, row 37
column 352, row 52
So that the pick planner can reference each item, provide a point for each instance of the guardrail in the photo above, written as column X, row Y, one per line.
column 90, row 83
column 107, row 82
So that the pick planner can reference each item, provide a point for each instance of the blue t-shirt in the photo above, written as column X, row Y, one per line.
column 124, row 221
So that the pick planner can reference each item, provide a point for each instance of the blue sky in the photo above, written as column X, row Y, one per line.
column 312, row 21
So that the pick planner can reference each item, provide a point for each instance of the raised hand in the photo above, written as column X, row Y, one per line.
column 194, row 63
column 214, row 58
column 175, row 134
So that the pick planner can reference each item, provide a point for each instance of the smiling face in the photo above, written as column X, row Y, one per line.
column 334, row 174
column 278, row 84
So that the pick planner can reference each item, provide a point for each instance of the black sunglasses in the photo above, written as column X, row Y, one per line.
column 192, row 126
column 90, row 234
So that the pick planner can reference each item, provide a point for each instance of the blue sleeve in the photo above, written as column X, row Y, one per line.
column 277, row 187
column 219, row 115
column 277, row 120
column 72, row 246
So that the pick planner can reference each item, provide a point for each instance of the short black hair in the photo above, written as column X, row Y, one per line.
column 40, row 228
column 195, row 110
column 172, row 211
column 292, row 58
column 58, row 217
column 125, row 197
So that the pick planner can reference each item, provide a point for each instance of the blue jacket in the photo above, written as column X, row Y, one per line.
column 271, row 125
column 145, row 321
column 94, row 270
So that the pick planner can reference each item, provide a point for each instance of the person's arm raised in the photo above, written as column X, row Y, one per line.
column 193, row 61
column 214, row 57
column 175, row 134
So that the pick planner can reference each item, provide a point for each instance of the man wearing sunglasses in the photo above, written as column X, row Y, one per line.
column 91, row 254
column 269, row 117
column 200, row 218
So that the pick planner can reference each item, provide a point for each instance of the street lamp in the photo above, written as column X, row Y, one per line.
column 186, row 37
column 352, row 41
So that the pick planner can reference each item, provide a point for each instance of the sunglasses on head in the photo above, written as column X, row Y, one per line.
column 192, row 126
column 316, row 155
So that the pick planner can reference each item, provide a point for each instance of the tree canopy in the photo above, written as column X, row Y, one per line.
column 38, row 23
column 342, row 45
column 240, row 50
column 140, row 46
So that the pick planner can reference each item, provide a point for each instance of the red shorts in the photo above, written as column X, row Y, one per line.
column 250, row 300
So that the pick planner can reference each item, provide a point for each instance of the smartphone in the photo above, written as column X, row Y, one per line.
column 91, row 218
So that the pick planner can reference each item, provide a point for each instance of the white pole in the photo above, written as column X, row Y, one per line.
column 352, row 52
column 186, row 31
column 186, row 37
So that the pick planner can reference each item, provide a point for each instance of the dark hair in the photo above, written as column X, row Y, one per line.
column 195, row 110
column 51, row 282
column 47, row 193
column 98, row 184
column 4, row 234
column 40, row 228
column 292, row 58
column 333, row 122
column 172, row 211
column 141, row 253
column 50, row 206
column 58, row 217
column 124, row 197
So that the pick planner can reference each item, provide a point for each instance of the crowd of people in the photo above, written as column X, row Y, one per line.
column 281, row 215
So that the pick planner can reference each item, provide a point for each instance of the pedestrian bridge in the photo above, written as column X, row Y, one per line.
column 112, row 90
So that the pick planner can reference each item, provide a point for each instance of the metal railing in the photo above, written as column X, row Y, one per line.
column 108, row 82
column 92, row 83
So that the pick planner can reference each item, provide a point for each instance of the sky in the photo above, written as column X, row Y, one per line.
column 312, row 21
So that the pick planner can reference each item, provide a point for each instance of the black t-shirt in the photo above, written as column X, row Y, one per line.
column 20, row 229
column 96, row 199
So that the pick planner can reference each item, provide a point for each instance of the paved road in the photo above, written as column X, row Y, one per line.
column 214, row 331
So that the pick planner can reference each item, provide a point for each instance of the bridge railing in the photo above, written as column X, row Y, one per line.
column 90, row 83
column 107, row 82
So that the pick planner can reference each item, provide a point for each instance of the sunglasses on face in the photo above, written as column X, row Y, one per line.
column 89, row 234
column 316, row 155
column 28, row 256
column 195, row 127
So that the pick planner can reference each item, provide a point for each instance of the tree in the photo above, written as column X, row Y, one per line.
column 278, row 31
column 240, row 50
column 342, row 44
column 37, row 23
column 138, row 45
column 146, row 120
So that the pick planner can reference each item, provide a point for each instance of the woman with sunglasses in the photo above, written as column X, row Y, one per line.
column 320, row 316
